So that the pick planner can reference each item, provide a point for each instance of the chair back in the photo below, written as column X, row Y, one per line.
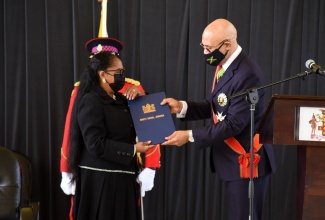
column 10, row 184
column 26, row 178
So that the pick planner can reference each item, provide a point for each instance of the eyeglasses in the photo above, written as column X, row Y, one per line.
column 210, row 49
column 121, row 71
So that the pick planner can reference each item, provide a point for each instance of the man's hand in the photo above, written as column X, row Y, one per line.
column 174, row 105
column 178, row 138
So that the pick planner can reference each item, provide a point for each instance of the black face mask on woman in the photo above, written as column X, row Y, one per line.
column 215, row 57
column 119, row 81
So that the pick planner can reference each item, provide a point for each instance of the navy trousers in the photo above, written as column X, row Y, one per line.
column 238, row 200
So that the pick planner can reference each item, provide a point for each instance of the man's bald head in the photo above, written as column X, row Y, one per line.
column 219, row 30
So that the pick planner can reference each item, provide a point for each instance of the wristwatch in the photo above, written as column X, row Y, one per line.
column 190, row 136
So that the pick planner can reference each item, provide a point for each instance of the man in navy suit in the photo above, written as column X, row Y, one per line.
column 229, row 134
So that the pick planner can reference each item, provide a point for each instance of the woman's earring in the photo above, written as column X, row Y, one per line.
column 104, row 80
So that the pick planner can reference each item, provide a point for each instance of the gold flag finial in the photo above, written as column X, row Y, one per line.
column 103, row 20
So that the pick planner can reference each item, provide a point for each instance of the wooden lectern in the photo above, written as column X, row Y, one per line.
column 280, row 125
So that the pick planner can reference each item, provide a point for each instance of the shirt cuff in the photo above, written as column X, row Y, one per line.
column 183, row 111
column 190, row 136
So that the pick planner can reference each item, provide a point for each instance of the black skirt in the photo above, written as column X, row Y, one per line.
column 106, row 196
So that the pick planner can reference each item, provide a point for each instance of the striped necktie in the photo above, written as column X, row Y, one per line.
column 219, row 72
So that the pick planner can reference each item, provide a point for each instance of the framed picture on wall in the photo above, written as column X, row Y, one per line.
column 311, row 124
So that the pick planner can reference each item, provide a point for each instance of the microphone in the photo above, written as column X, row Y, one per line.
column 310, row 64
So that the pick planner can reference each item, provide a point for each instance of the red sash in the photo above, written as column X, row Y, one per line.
column 244, row 158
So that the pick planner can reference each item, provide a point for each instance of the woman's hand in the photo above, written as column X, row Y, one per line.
column 142, row 147
column 133, row 91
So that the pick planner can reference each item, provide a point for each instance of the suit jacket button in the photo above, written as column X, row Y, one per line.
column 119, row 152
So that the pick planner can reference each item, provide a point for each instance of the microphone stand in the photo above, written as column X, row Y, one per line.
column 253, row 98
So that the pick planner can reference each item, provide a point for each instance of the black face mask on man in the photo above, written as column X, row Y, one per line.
column 119, row 81
column 215, row 57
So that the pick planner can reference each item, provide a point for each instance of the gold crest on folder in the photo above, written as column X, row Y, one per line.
column 148, row 108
